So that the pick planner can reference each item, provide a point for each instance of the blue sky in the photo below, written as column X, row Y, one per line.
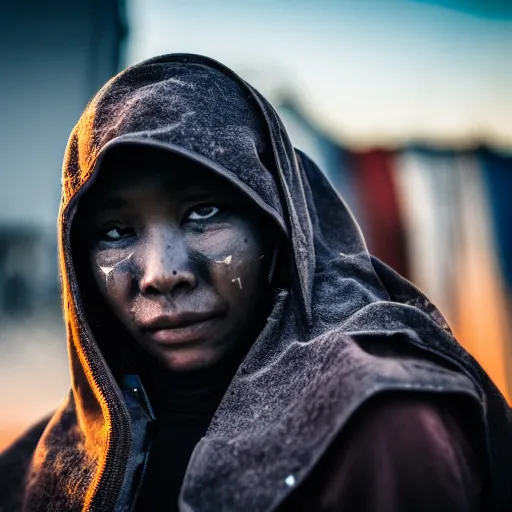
column 371, row 71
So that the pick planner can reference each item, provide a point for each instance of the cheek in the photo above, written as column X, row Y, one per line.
column 237, row 261
column 248, row 266
column 114, row 274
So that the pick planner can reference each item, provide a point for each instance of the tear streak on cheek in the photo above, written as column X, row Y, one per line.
column 225, row 261
column 239, row 281
column 228, row 261
column 107, row 270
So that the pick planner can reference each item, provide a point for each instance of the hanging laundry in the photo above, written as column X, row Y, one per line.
column 428, row 194
column 384, row 229
column 481, row 324
column 497, row 172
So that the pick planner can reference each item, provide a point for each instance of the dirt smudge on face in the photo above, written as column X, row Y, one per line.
column 225, row 261
column 237, row 280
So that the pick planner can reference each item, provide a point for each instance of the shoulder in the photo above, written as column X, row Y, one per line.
column 402, row 452
column 410, row 449
column 415, row 431
column 14, row 464
column 420, row 421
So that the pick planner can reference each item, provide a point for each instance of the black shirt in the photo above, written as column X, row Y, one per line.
column 184, row 405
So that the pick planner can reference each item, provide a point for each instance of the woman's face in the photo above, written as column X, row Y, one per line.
column 179, row 259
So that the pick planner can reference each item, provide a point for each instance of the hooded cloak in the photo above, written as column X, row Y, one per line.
column 347, row 328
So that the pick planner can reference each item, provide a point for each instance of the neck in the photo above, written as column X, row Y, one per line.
column 197, row 390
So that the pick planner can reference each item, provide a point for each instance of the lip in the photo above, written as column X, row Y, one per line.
column 179, row 328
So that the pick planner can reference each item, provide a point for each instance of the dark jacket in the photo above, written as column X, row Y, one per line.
column 345, row 330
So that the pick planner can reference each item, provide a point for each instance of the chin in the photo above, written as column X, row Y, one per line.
column 188, row 360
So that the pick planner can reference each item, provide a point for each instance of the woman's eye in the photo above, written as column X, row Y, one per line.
column 203, row 212
column 116, row 233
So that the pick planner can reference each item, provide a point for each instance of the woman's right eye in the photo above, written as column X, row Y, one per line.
column 116, row 233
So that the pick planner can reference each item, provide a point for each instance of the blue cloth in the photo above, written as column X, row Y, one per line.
column 497, row 171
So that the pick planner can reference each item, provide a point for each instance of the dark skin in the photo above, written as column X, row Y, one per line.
column 179, row 256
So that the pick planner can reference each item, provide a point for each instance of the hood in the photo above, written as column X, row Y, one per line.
column 346, row 329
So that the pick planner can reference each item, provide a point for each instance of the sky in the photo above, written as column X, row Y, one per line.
column 367, row 72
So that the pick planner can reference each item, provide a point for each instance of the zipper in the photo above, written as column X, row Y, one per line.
column 143, row 399
column 106, row 491
column 141, row 479
column 106, row 487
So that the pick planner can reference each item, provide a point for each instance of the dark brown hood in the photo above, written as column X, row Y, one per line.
column 346, row 329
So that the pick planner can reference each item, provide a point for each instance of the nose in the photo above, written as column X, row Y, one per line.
column 166, row 265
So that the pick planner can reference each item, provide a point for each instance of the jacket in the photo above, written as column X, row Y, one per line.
column 347, row 328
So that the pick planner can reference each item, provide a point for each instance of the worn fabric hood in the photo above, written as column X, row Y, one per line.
column 347, row 327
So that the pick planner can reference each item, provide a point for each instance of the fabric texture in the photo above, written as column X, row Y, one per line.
column 345, row 329
column 397, row 454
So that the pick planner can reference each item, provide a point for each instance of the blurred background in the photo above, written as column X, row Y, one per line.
column 406, row 106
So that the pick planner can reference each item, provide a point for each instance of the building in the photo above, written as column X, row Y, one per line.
column 54, row 56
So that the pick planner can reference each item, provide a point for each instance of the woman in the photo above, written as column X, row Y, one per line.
column 233, row 346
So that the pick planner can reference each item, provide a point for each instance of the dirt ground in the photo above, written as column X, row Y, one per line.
column 34, row 374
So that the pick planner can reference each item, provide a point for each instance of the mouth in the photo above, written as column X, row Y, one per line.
column 180, row 328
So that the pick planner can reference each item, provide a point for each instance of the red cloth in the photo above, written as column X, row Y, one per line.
column 385, row 232
column 396, row 455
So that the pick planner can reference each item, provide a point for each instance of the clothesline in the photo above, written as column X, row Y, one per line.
column 442, row 219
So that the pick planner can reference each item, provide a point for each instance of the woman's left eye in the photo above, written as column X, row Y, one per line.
column 203, row 212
